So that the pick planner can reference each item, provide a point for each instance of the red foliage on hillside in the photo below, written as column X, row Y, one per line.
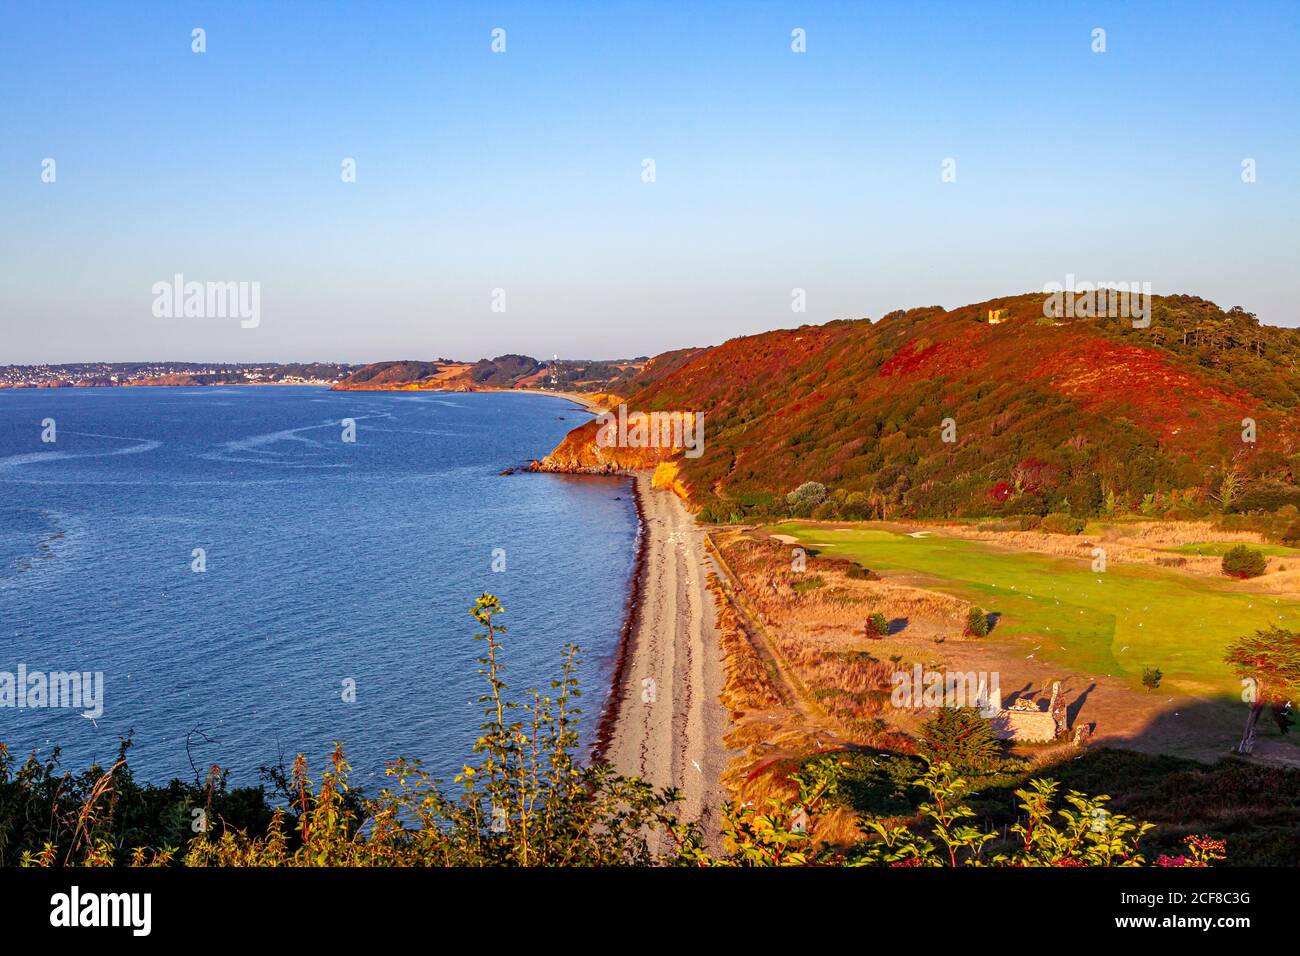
column 1111, row 378
column 1048, row 414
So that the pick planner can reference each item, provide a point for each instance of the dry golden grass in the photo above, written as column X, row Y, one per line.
column 1282, row 577
column 1171, row 534
column 817, row 618
column 767, row 773
column 819, row 628
column 749, row 683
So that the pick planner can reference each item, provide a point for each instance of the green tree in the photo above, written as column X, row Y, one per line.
column 1268, row 664
column 806, row 497
column 960, row 736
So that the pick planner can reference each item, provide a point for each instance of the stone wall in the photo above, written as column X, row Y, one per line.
column 1027, row 726
column 1027, row 721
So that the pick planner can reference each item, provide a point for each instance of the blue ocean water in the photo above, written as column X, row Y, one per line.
column 326, row 561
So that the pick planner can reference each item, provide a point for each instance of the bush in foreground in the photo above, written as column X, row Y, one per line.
column 525, row 801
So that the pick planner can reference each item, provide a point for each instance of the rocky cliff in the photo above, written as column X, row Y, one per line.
column 580, row 454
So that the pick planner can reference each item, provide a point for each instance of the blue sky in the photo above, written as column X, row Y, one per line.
column 523, row 171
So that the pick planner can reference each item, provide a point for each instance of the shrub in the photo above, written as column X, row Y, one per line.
column 1244, row 562
column 825, row 511
column 977, row 623
column 1151, row 678
column 714, row 512
column 1291, row 536
column 1059, row 523
column 806, row 497
column 857, row 506
column 877, row 625
column 962, row 737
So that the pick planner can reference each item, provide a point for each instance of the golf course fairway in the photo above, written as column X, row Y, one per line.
column 1114, row 622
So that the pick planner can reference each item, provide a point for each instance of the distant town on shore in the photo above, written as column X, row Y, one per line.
column 504, row 371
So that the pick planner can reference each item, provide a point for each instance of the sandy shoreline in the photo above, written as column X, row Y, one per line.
column 665, row 721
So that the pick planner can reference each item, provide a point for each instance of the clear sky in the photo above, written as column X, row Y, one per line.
column 523, row 170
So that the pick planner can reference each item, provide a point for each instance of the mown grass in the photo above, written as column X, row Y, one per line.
column 1117, row 622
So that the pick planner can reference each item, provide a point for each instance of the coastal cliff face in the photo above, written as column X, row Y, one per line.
column 580, row 454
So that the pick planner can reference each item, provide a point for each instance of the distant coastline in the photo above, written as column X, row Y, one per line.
column 565, row 377
column 178, row 374
column 147, row 384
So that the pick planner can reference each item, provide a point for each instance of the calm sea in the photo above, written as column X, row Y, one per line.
column 327, row 562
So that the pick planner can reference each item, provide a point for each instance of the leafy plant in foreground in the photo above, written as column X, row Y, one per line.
column 525, row 801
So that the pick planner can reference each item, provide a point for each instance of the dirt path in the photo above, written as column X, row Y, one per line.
column 786, row 682
column 670, row 721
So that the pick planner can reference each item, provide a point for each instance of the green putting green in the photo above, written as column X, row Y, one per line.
column 1115, row 622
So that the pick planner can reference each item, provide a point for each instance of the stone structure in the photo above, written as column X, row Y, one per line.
column 1025, row 721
